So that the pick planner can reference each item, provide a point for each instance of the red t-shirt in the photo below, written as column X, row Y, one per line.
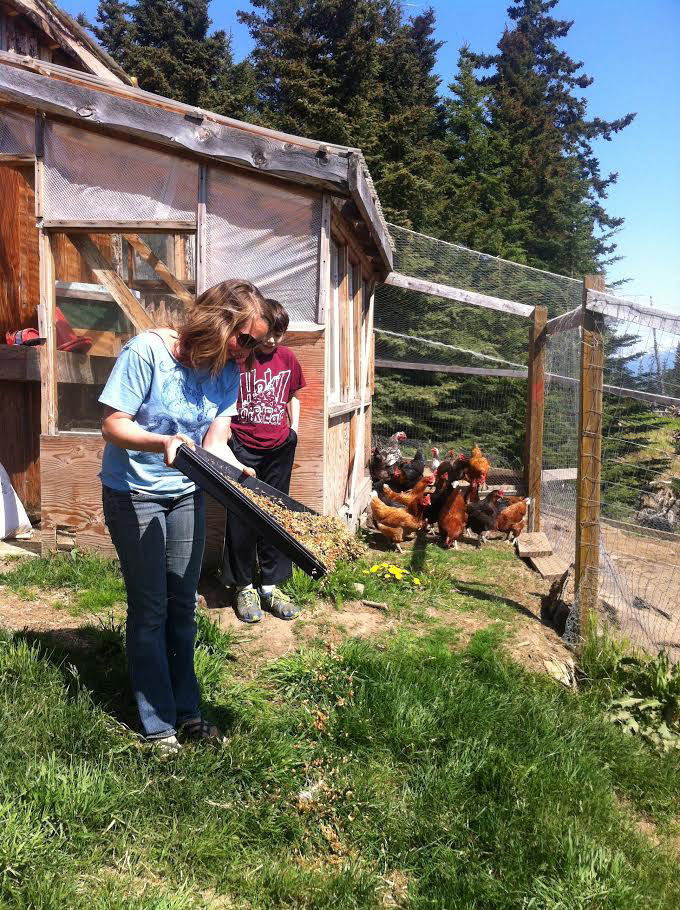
column 261, row 420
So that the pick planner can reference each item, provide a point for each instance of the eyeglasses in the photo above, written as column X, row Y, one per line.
column 246, row 342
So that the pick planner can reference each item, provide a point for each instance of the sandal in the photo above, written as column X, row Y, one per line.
column 279, row 604
column 199, row 730
column 248, row 605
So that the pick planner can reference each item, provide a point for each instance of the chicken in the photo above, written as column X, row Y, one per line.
column 392, row 516
column 454, row 470
column 482, row 515
column 396, row 535
column 478, row 468
column 435, row 458
column 511, row 519
column 413, row 499
column 382, row 460
column 452, row 516
column 380, row 488
column 407, row 473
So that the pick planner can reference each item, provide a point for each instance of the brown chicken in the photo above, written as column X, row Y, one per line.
column 414, row 499
column 396, row 535
column 511, row 519
column 452, row 517
column 477, row 468
column 393, row 518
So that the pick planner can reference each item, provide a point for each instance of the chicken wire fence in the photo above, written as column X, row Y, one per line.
column 636, row 584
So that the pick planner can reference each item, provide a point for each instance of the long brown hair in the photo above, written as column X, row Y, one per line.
column 214, row 317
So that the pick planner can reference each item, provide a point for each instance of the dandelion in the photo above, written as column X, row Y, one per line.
column 416, row 581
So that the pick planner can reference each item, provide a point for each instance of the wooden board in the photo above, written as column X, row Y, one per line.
column 536, row 544
column 307, row 482
column 199, row 134
column 459, row 294
column 549, row 567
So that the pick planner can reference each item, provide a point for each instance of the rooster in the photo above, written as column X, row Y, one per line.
column 482, row 515
column 477, row 469
column 511, row 520
column 382, row 460
column 452, row 516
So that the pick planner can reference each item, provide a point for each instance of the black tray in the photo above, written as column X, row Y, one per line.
column 221, row 480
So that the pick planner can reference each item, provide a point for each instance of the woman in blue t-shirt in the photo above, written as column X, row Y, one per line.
column 169, row 388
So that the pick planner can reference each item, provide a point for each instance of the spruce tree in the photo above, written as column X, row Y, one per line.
column 552, row 171
column 167, row 45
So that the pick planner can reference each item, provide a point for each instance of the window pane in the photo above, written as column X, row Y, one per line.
column 332, row 328
column 266, row 233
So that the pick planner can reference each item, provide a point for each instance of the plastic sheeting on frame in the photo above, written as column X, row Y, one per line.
column 92, row 177
column 17, row 133
column 266, row 233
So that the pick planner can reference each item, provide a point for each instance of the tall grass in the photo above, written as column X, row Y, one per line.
column 406, row 774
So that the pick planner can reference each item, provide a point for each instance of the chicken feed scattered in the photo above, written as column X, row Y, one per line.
column 325, row 536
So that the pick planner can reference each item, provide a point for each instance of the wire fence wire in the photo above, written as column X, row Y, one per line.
column 420, row 256
column 638, row 574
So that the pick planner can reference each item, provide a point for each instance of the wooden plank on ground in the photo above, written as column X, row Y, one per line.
column 159, row 267
column 535, row 544
column 549, row 567
column 114, row 284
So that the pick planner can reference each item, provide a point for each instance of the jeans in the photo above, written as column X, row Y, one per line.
column 160, row 542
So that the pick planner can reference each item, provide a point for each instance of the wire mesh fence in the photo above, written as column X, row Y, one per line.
column 452, row 375
column 637, row 577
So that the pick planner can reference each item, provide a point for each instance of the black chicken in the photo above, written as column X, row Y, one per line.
column 482, row 515
column 406, row 474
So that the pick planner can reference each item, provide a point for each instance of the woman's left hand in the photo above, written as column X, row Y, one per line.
column 249, row 472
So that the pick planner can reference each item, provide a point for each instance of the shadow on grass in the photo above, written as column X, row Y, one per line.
column 476, row 590
column 97, row 654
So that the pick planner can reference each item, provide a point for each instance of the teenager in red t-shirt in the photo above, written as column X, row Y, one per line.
column 264, row 437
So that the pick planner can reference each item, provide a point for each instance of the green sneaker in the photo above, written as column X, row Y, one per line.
column 278, row 604
column 248, row 605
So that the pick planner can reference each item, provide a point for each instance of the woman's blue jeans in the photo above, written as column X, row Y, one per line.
column 160, row 542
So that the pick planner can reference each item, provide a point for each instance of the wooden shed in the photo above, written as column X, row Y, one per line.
column 116, row 208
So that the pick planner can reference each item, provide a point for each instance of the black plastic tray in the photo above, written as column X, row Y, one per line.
column 222, row 480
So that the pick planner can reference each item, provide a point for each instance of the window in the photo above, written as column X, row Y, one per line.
column 106, row 284
column 333, row 322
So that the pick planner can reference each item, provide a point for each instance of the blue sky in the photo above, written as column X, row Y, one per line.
column 632, row 49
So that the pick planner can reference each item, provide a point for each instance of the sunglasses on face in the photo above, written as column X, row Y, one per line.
column 246, row 342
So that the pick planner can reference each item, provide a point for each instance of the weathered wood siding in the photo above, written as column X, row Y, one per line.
column 20, row 437
column 307, row 483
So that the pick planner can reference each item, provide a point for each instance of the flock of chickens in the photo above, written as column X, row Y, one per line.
column 409, row 496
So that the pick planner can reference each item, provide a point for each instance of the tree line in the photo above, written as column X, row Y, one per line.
column 501, row 160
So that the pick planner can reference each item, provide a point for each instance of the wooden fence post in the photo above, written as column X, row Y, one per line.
column 533, row 458
column 589, row 457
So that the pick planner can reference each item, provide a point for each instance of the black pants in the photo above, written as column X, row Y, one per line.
column 242, row 542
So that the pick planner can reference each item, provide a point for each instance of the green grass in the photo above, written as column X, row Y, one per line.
column 94, row 583
column 400, row 772
column 456, row 774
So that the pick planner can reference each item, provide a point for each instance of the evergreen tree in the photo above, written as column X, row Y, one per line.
column 354, row 73
column 479, row 211
column 168, row 47
column 551, row 169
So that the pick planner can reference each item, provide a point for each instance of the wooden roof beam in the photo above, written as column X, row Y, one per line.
column 87, row 104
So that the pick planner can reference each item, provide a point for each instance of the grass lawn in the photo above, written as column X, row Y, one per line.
column 403, row 771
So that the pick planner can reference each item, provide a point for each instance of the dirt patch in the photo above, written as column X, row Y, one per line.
column 516, row 586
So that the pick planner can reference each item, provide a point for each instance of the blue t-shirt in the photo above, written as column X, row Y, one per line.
column 163, row 397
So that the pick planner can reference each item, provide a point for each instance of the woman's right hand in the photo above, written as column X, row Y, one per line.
column 172, row 443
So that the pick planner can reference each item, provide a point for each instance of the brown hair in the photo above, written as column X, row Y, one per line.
column 280, row 314
column 214, row 317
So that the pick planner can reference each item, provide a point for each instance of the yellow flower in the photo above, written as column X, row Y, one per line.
column 416, row 581
column 374, row 568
